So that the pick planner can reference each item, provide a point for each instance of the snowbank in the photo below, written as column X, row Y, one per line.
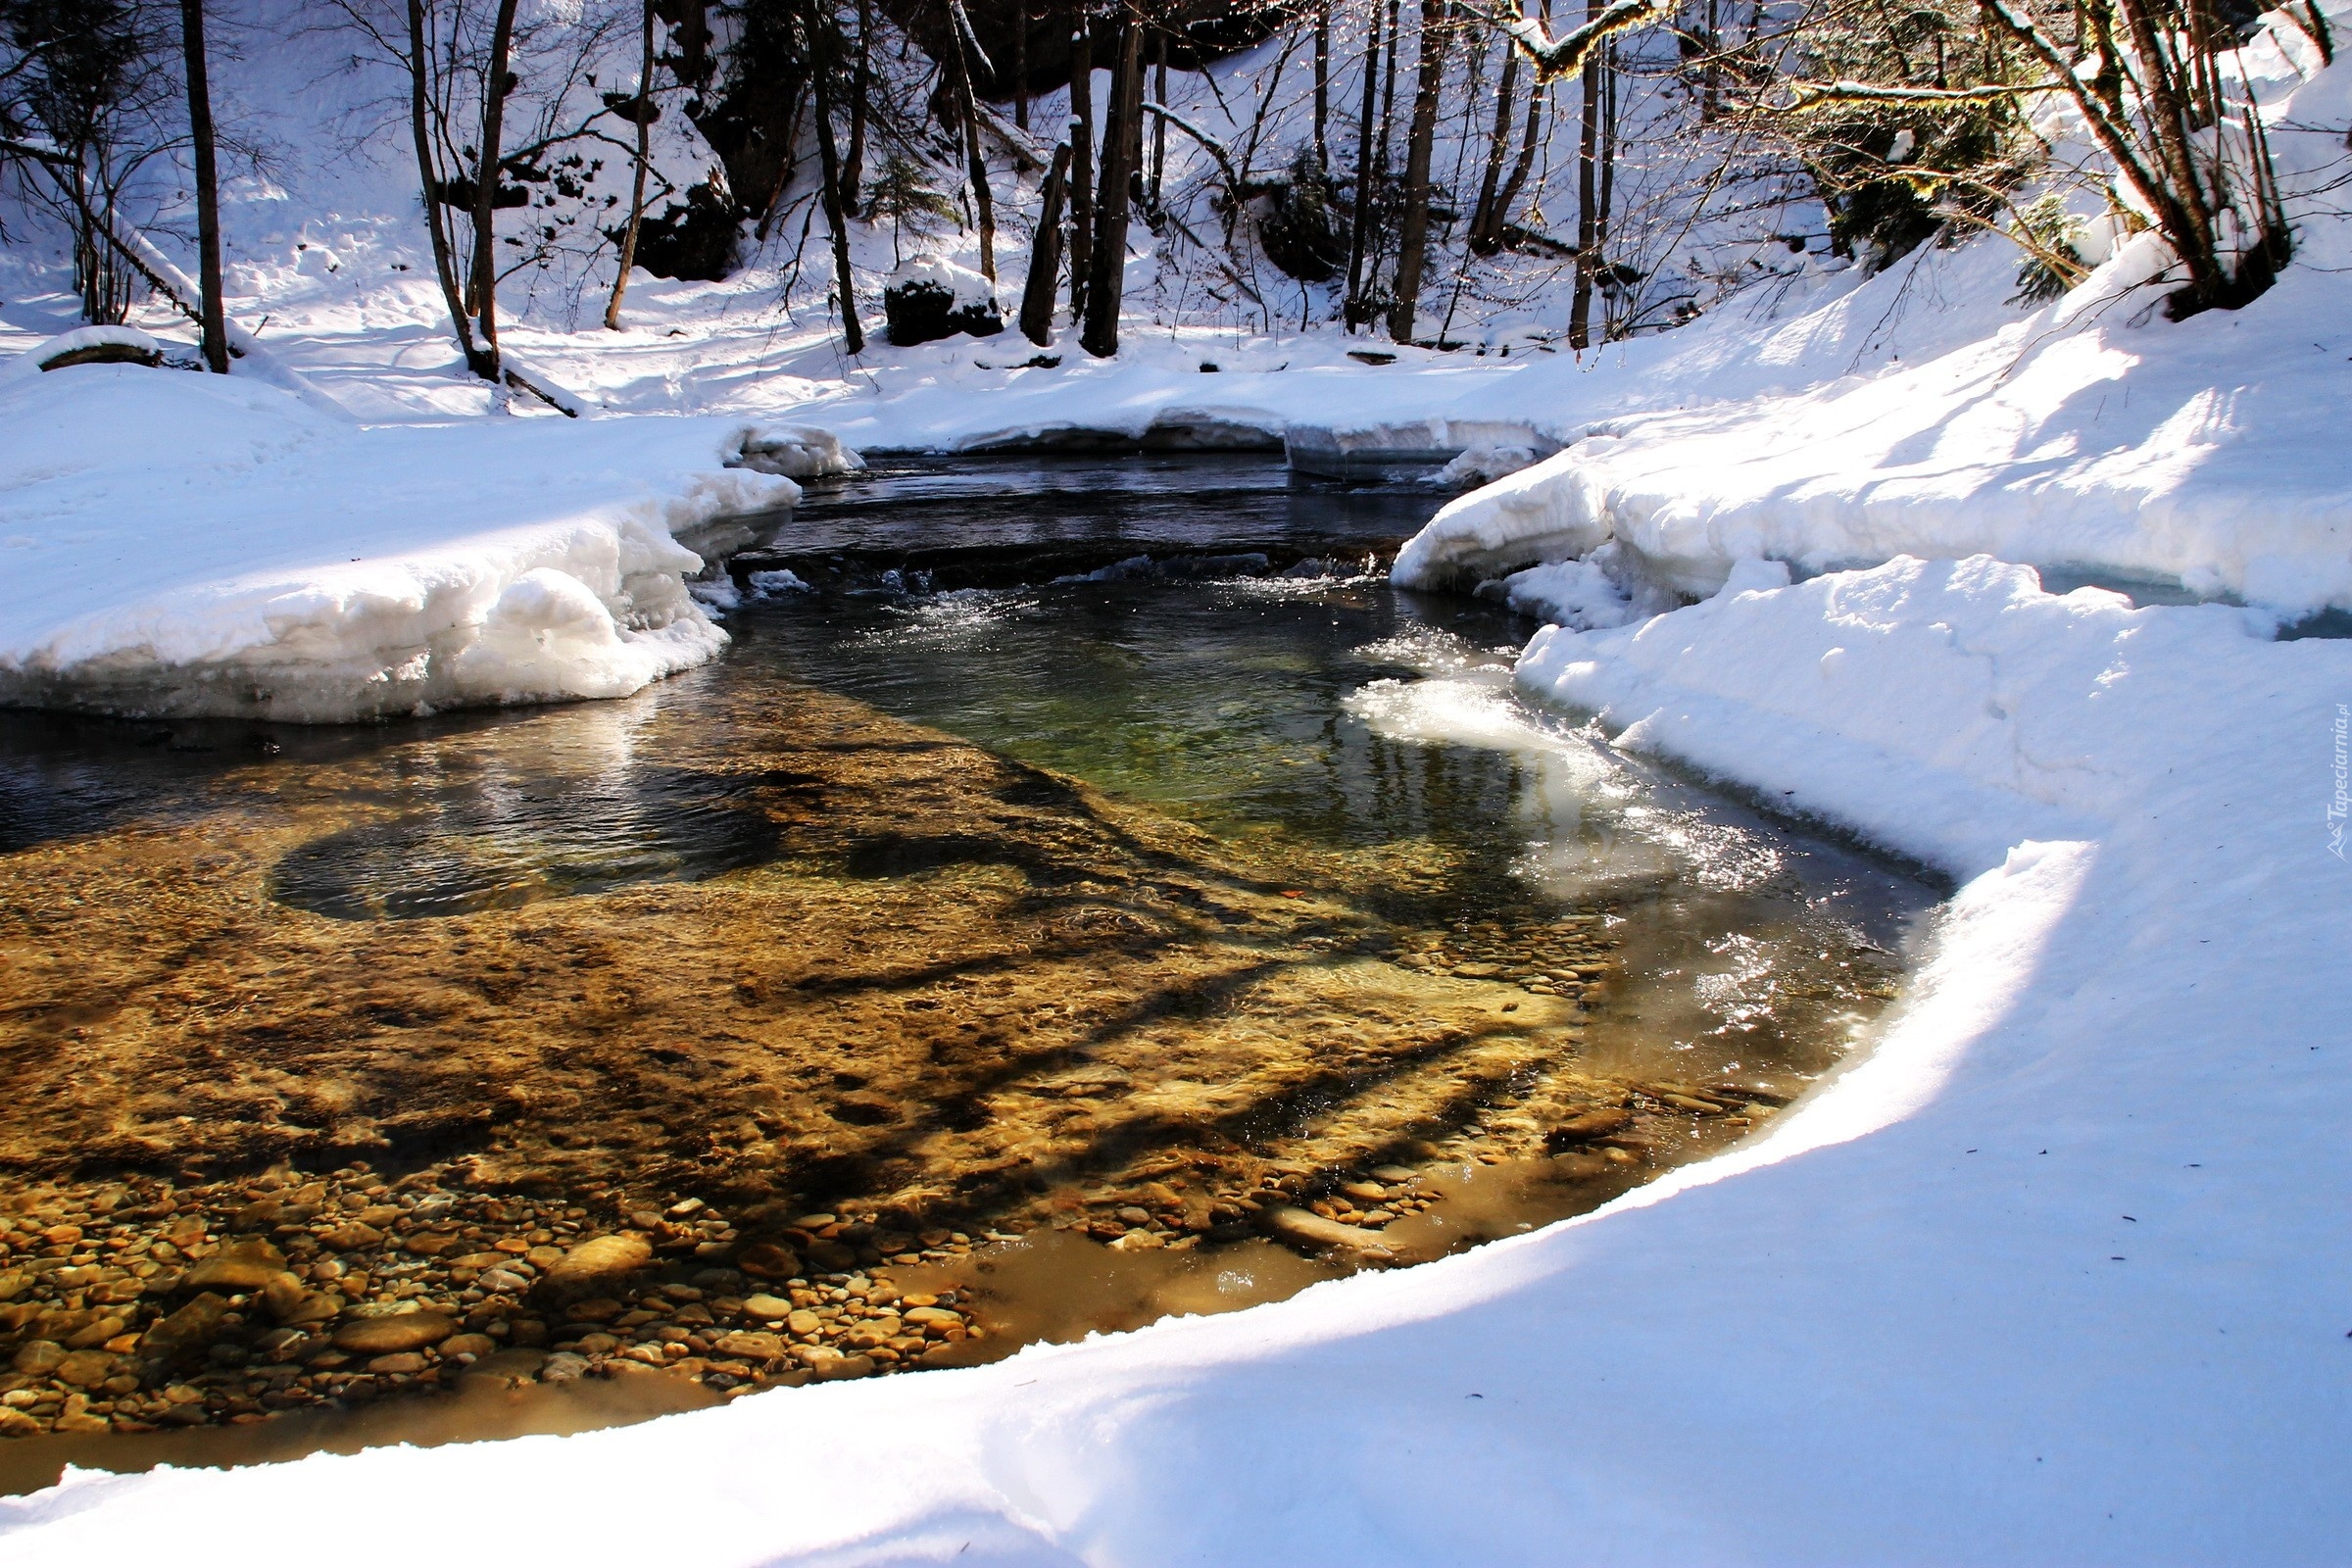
column 2092, row 434
column 2052, row 1274
column 192, row 544
column 2199, row 452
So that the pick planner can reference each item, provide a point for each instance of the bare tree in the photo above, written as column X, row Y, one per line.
column 203, row 153
column 643, row 112
column 1082, row 158
column 962, row 45
column 1044, row 255
column 829, row 172
column 1360, row 235
column 1122, row 141
column 1413, row 228
column 484, row 289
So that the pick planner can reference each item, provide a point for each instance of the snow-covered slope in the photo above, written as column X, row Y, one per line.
column 2093, row 433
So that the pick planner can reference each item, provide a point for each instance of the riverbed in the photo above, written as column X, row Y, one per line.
column 1082, row 892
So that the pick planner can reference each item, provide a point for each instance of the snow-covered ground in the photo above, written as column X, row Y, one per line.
column 2056, row 1273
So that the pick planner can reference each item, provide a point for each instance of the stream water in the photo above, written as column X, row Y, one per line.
column 1070, row 869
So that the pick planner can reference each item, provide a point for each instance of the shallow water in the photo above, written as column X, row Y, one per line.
column 1244, row 885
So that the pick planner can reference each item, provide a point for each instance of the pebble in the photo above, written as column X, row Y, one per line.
column 235, row 1267
column 1588, row 1126
column 1313, row 1230
column 385, row 1336
column 768, row 1260
column 598, row 1259
column 766, row 1306
column 750, row 1346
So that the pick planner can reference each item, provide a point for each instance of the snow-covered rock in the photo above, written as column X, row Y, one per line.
column 797, row 452
column 932, row 298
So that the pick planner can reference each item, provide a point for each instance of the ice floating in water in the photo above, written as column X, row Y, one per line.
column 783, row 580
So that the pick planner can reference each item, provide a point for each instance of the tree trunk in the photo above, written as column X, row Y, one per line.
column 644, row 118
column 485, row 183
column 975, row 154
column 1082, row 161
column 1360, row 228
column 1486, row 221
column 1588, row 205
column 1413, row 242
column 1121, row 135
column 1044, row 255
column 1020, row 65
column 837, row 218
column 1159, row 127
column 208, row 186
column 853, row 164
column 445, row 258
column 1323, row 86
column 1525, row 163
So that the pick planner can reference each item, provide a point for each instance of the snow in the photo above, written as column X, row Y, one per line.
column 195, row 544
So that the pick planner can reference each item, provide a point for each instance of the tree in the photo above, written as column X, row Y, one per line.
column 214, row 327
column 643, row 114
column 1122, row 143
column 1413, row 230
column 1044, row 255
column 483, row 294
column 829, row 173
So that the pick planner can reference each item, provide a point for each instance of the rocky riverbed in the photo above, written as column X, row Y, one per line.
column 723, row 1034
column 143, row 1302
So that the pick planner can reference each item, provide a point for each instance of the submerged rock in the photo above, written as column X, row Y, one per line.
column 597, row 1260
column 391, row 1336
column 1309, row 1229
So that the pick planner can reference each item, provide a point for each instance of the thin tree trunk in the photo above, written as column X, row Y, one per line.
column 1486, row 221
column 445, row 258
column 1360, row 228
column 1323, row 84
column 853, row 163
column 485, row 183
column 1588, row 205
column 1711, row 79
column 1106, row 292
column 207, row 185
column 984, row 203
column 644, row 130
column 1082, row 161
column 837, row 218
column 1524, row 166
column 1020, row 65
column 1044, row 255
column 1159, row 127
column 1413, row 233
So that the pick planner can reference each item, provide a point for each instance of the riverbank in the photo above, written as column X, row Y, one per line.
column 181, row 543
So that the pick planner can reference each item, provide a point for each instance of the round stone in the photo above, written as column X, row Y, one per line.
column 392, row 1335
column 600, row 1259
